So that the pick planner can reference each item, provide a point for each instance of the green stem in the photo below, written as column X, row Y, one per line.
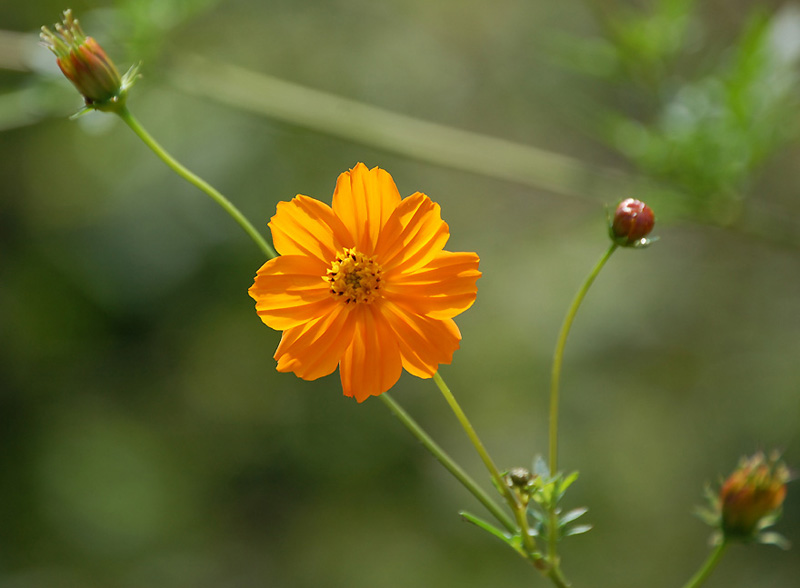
column 704, row 572
column 512, row 500
column 559, row 356
column 473, row 436
column 557, row 578
column 190, row 177
column 555, row 380
column 448, row 462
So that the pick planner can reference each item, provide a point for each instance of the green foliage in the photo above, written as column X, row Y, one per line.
column 546, row 493
column 700, row 119
column 709, row 136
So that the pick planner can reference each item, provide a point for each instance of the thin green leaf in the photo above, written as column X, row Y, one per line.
column 572, row 515
column 512, row 541
column 566, row 483
column 576, row 530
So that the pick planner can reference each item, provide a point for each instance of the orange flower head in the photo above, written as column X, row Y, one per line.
column 752, row 493
column 364, row 285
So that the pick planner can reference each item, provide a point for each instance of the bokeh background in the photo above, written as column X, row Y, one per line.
column 145, row 436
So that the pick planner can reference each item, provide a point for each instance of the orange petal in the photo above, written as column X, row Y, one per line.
column 314, row 349
column 413, row 235
column 291, row 290
column 364, row 200
column 372, row 363
column 305, row 226
column 424, row 342
column 442, row 289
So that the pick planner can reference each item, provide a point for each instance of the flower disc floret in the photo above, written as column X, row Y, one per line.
column 355, row 277
column 364, row 285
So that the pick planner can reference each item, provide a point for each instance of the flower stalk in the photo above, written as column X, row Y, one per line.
column 558, row 356
column 518, row 508
column 450, row 465
column 196, row 181
column 710, row 564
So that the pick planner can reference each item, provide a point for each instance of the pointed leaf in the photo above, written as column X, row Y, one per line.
column 576, row 530
column 566, row 483
column 572, row 515
column 540, row 467
column 512, row 541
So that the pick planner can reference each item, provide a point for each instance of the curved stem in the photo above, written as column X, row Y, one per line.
column 448, row 462
column 558, row 356
column 190, row 177
column 704, row 572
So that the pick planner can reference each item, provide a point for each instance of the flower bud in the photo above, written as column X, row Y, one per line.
column 751, row 497
column 86, row 65
column 633, row 220
column 519, row 478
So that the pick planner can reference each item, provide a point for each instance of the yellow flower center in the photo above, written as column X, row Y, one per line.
column 354, row 277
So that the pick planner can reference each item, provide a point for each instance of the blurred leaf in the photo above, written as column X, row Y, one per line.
column 513, row 541
column 570, row 516
column 576, row 530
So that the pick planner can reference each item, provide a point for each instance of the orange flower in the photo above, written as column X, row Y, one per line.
column 365, row 285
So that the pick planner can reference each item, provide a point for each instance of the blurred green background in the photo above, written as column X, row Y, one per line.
column 145, row 436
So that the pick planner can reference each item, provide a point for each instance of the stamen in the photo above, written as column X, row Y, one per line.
column 354, row 277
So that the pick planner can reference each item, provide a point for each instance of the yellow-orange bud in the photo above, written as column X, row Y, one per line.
column 85, row 64
column 754, row 491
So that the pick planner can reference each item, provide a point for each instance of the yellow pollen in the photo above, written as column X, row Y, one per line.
column 354, row 277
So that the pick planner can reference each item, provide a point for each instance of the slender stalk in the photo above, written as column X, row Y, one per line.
column 448, row 462
column 511, row 498
column 473, row 436
column 190, row 177
column 555, row 381
column 704, row 572
column 557, row 578
column 558, row 356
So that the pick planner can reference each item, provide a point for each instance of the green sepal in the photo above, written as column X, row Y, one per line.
column 82, row 112
column 773, row 538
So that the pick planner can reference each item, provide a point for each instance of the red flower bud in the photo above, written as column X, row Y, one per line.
column 633, row 221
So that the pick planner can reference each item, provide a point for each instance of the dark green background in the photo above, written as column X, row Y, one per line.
column 145, row 436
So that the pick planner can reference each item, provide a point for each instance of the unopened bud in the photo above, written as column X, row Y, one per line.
column 519, row 478
column 633, row 220
column 84, row 63
column 752, row 493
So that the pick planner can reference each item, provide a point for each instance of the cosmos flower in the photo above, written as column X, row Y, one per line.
column 365, row 285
